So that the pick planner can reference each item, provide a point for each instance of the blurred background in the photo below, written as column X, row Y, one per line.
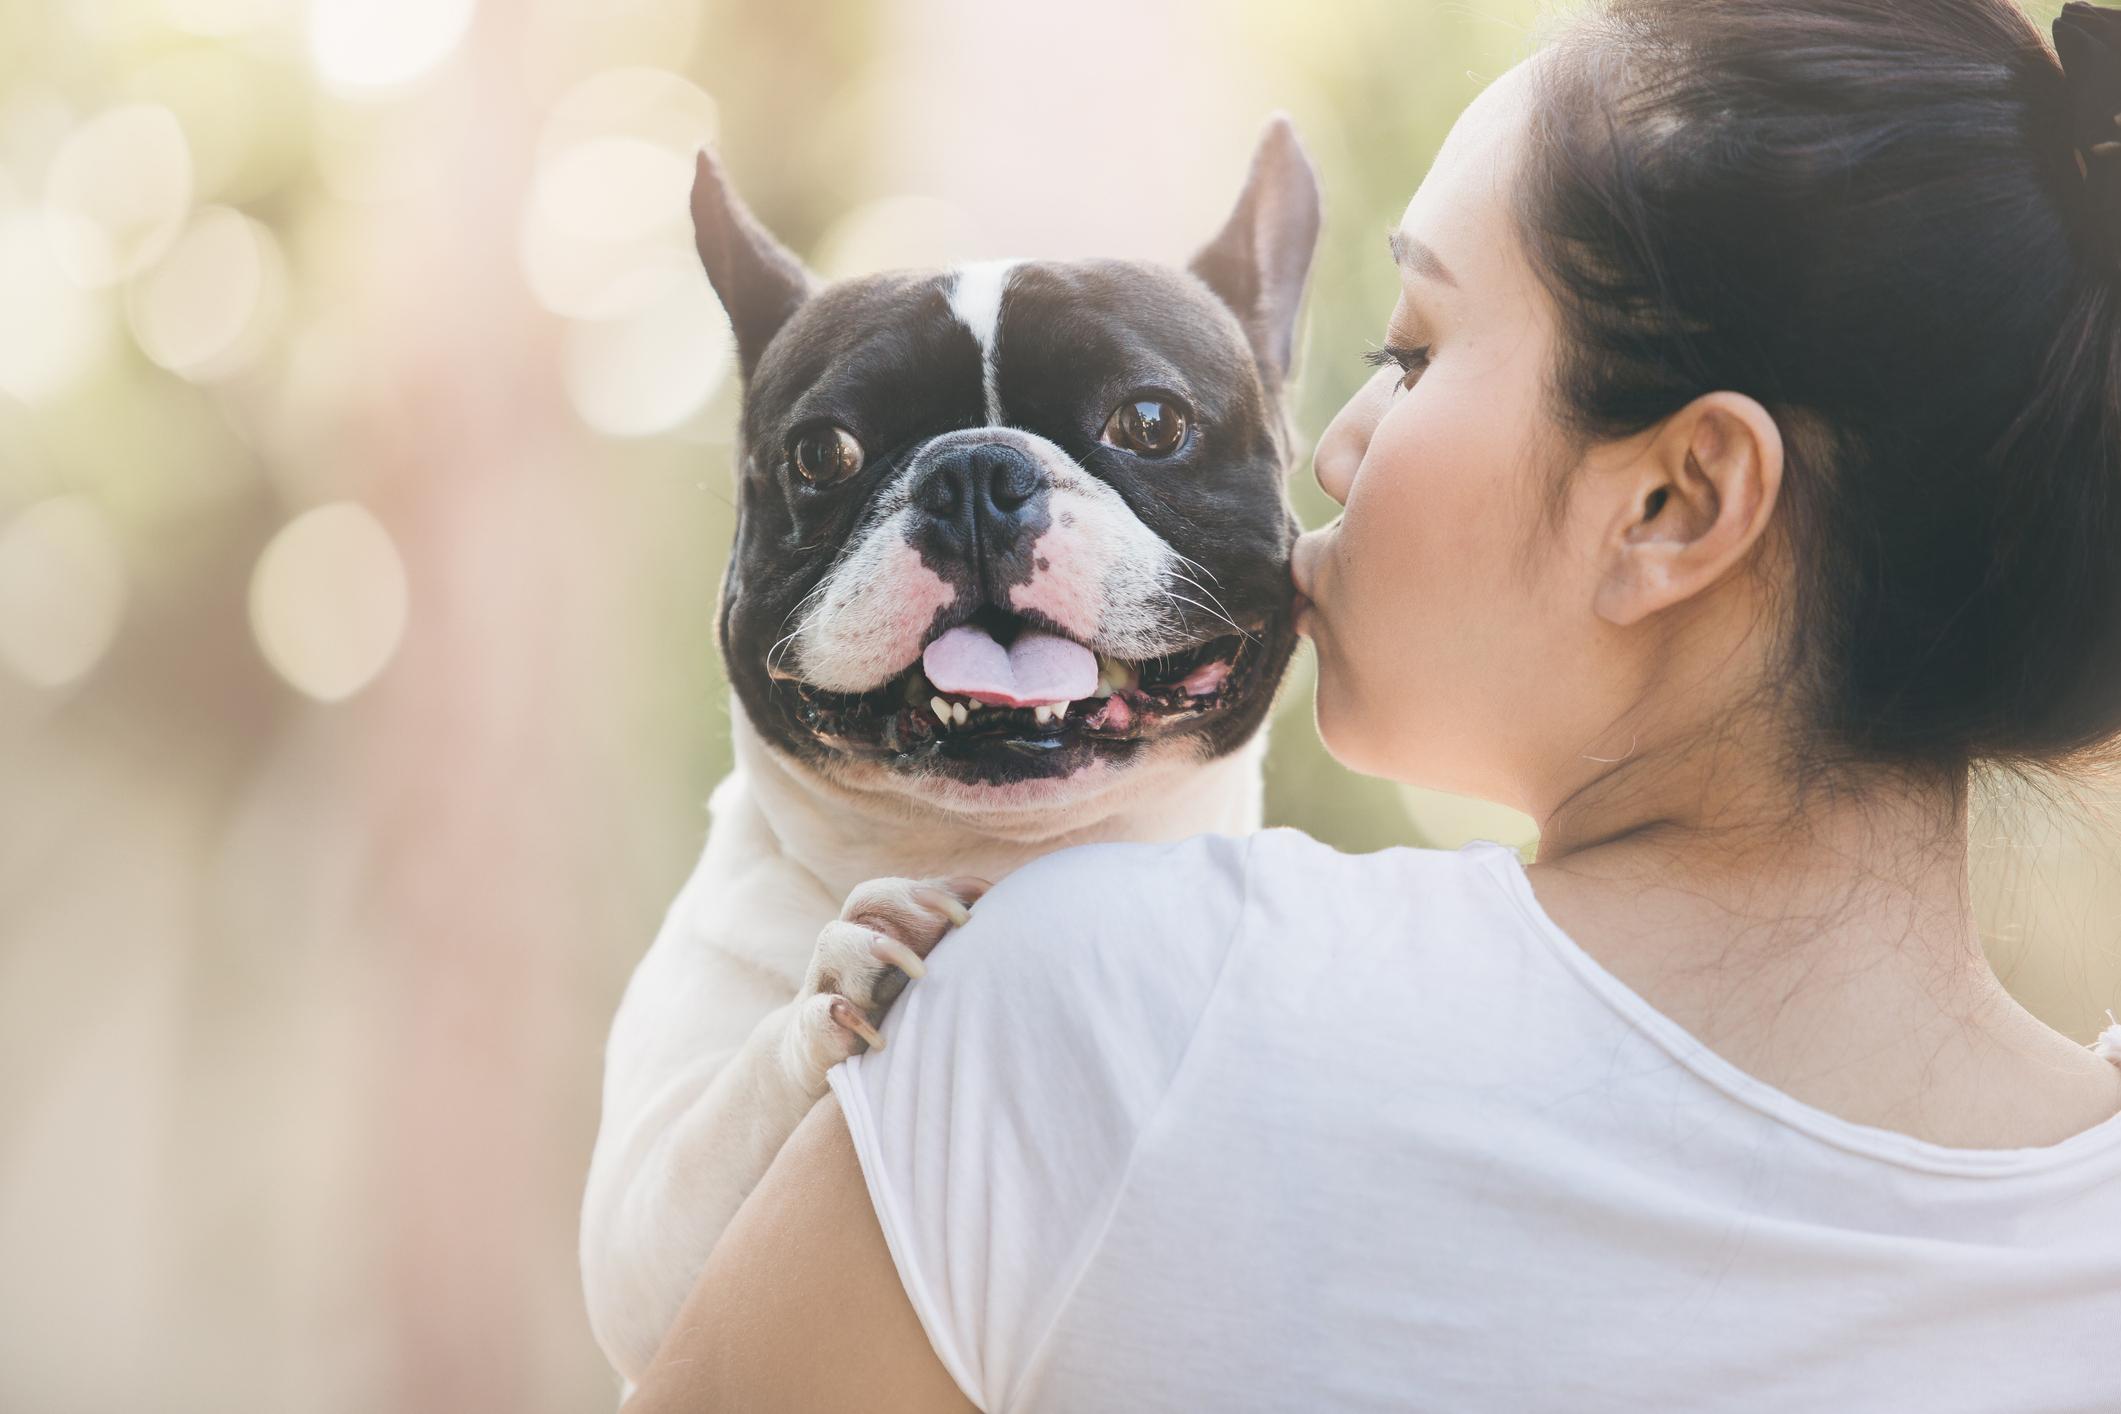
column 365, row 431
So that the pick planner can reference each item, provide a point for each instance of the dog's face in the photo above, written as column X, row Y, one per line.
column 1012, row 532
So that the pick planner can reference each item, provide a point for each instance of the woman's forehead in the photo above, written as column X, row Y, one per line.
column 1460, row 210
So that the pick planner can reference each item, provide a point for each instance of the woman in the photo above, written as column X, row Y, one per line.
column 1747, row 470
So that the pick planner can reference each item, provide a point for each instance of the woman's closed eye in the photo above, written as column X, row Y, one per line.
column 1410, row 361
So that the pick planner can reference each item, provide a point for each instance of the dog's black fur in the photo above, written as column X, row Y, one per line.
column 885, row 357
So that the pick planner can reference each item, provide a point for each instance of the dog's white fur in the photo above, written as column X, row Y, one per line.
column 724, row 1036
column 976, row 299
column 1110, row 580
column 711, row 1063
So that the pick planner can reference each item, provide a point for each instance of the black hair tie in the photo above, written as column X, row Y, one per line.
column 2088, row 41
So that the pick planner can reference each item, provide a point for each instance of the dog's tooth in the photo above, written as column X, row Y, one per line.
column 972, row 704
column 941, row 709
column 1059, row 711
column 1038, row 714
column 1119, row 674
column 958, row 713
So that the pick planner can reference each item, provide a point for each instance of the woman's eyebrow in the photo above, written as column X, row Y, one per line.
column 1412, row 255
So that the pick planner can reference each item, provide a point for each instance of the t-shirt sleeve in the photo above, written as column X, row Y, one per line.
column 995, row 1127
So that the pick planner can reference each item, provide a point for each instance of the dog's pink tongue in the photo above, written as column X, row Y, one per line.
column 1037, row 669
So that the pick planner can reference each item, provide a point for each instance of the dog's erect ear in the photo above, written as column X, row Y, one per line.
column 759, row 280
column 1258, row 262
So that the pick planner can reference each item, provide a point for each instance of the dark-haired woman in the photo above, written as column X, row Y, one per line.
column 1746, row 471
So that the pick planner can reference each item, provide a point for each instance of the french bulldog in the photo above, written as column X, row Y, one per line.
column 1010, row 574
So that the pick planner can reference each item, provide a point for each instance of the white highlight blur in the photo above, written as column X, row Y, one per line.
column 564, row 40
column 116, row 193
column 649, row 371
column 609, row 208
column 897, row 233
column 383, row 44
column 62, row 591
column 328, row 601
column 210, row 306
column 51, row 330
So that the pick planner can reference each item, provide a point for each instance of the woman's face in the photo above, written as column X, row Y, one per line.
column 1452, row 620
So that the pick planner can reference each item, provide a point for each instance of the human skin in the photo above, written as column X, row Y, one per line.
column 1600, row 668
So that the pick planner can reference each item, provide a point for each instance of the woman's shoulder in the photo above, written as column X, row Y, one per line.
column 1135, row 901
column 1278, row 851
column 1141, row 902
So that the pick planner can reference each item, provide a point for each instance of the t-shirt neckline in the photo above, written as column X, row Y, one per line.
column 1683, row 1046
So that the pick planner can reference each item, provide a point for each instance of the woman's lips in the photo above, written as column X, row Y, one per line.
column 1300, row 557
column 1303, row 562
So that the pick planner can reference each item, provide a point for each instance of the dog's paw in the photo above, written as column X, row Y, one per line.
column 864, row 959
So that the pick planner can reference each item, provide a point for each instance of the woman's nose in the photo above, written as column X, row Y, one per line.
column 1341, row 447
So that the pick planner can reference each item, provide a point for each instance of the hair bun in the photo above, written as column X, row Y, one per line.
column 2088, row 41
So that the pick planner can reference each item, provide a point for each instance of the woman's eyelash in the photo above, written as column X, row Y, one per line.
column 1410, row 361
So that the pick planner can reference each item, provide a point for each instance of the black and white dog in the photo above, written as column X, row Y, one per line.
column 1011, row 573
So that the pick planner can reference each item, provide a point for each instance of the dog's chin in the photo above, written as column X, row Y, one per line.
column 968, row 756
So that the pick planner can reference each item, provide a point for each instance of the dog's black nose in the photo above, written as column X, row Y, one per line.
column 984, row 498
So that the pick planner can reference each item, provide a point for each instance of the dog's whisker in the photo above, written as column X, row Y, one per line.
column 1220, row 610
column 1191, row 563
column 1225, row 618
column 821, row 586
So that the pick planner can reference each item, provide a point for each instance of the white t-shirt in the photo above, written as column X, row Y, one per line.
column 1249, row 1124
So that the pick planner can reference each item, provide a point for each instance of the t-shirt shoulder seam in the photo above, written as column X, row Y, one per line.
column 1108, row 1211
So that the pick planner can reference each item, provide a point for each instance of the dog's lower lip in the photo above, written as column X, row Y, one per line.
column 906, row 719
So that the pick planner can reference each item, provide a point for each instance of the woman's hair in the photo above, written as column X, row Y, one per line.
column 1869, row 216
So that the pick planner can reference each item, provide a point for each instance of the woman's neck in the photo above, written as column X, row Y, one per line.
column 1819, row 934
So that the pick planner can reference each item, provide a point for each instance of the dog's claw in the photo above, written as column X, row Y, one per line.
column 897, row 954
column 848, row 1015
column 947, row 905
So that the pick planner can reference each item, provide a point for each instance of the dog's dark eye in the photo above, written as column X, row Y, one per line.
column 1147, row 427
column 825, row 454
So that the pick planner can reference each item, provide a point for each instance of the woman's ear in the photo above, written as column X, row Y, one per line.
column 1693, row 505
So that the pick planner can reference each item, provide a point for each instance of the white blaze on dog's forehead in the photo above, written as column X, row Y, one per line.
column 976, row 299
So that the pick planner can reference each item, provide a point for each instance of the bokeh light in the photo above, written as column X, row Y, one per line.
column 117, row 193
column 649, row 371
column 328, row 601
column 62, row 591
column 897, row 232
column 239, row 110
column 610, row 200
column 51, row 330
column 381, row 44
column 208, row 307
column 566, row 39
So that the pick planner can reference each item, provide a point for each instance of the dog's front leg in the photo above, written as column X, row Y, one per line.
column 662, row 1190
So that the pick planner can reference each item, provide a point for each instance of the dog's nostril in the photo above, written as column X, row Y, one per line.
column 941, row 494
column 1011, row 484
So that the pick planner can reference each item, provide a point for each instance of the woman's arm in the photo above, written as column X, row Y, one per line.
column 800, row 1308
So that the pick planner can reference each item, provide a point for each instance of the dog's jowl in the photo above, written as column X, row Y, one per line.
column 1010, row 573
